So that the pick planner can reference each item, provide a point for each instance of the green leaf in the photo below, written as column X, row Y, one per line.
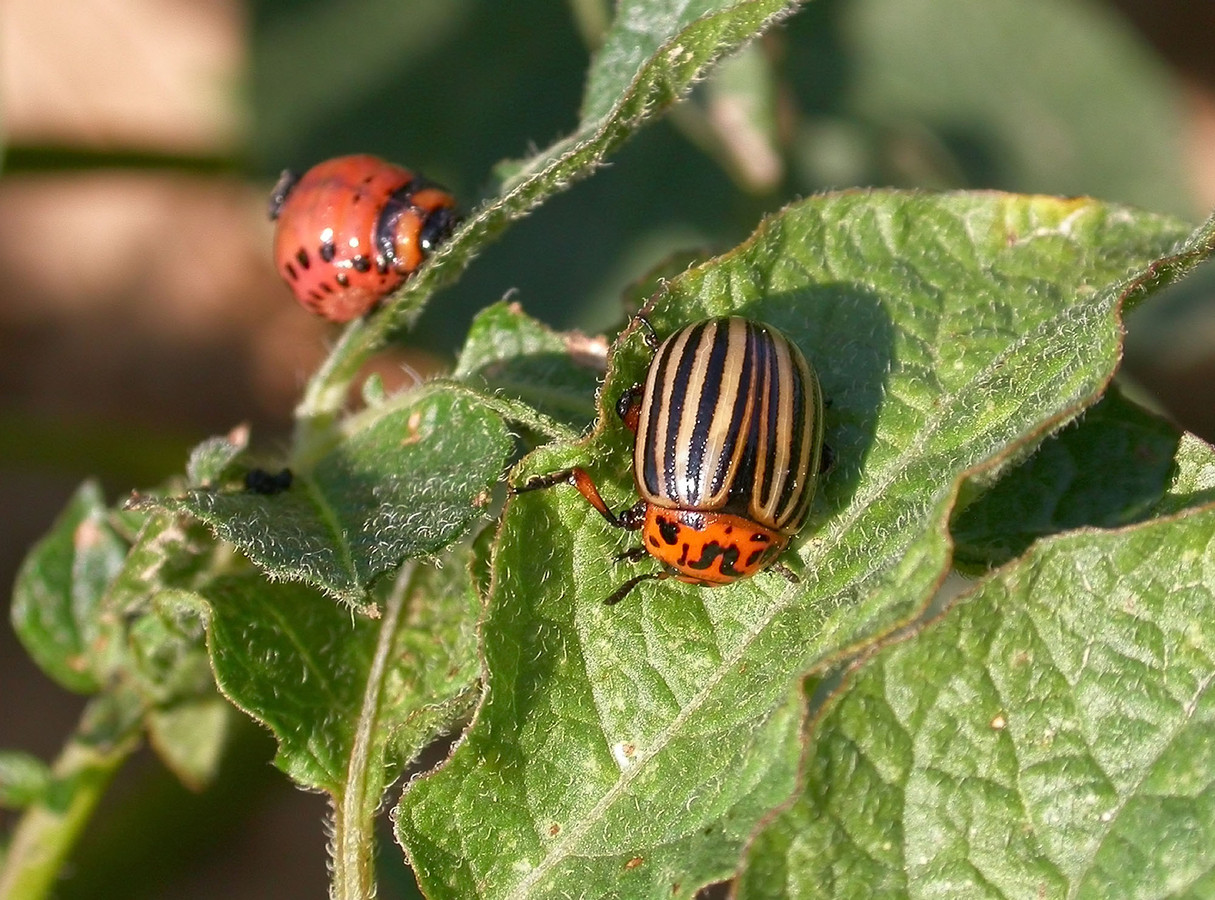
column 209, row 461
column 1111, row 467
column 86, row 608
column 24, row 779
column 1193, row 482
column 351, row 700
column 187, row 722
column 59, row 589
column 645, row 30
column 510, row 353
column 166, row 659
column 322, row 680
column 406, row 481
column 633, row 749
column 1051, row 736
column 190, row 737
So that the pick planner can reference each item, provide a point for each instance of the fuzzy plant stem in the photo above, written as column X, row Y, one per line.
column 48, row 830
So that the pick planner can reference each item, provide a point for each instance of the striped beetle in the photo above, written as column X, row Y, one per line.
column 728, row 446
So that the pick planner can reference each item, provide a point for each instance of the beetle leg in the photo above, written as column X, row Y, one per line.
column 826, row 460
column 621, row 592
column 540, row 482
column 790, row 575
column 631, row 518
column 628, row 407
column 634, row 554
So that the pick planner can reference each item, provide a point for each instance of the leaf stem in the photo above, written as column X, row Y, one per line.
column 48, row 830
column 318, row 410
column 353, row 844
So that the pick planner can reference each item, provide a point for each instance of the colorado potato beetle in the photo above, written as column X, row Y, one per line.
column 352, row 229
column 728, row 445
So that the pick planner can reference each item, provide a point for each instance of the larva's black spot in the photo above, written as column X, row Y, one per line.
column 302, row 257
column 328, row 251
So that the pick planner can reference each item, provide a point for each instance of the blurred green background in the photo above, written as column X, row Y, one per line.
column 141, row 313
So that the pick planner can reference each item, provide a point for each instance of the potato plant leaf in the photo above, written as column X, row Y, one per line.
column 92, row 606
column 514, row 355
column 24, row 779
column 646, row 32
column 60, row 588
column 1050, row 736
column 406, row 480
column 212, row 458
column 1108, row 468
column 351, row 700
column 632, row 749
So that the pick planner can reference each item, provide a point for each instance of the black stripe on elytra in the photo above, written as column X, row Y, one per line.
column 649, row 471
column 744, row 388
column 711, row 392
column 742, row 476
column 769, row 433
column 673, row 391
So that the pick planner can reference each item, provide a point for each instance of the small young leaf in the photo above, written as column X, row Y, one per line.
column 24, row 779
column 1051, row 736
column 167, row 665
column 509, row 352
column 406, row 481
column 211, row 458
column 631, row 749
column 85, row 606
column 189, row 737
column 59, row 589
column 1193, row 482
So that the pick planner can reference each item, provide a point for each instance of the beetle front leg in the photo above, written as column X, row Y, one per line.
column 632, row 518
column 628, row 407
